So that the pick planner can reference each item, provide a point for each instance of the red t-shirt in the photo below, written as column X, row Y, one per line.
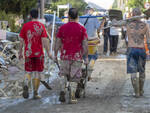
column 72, row 34
column 32, row 33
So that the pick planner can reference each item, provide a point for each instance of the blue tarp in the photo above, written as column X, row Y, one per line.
column 89, row 16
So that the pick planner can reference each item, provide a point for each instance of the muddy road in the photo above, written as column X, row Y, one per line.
column 109, row 91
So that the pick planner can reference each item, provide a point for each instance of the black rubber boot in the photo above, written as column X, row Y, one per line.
column 78, row 91
column 25, row 93
column 62, row 96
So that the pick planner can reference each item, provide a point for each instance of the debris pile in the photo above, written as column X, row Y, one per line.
column 12, row 70
column 9, row 85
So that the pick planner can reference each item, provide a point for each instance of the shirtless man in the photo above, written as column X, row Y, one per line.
column 136, row 55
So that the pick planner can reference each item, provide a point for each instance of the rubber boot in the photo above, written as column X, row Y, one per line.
column 36, row 84
column 91, row 66
column 78, row 91
column 141, row 83
column 62, row 95
column 73, row 86
column 25, row 93
column 27, row 80
column 135, row 84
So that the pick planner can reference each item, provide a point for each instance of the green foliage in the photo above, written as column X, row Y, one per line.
column 79, row 4
column 137, row 3
column 10, row 19
column 22, row 7
column 9, row 8
column 115, row 5
column 17, row 6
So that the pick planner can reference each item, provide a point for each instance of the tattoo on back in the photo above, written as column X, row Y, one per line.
column 136, row 32
column 137, row 38
column 137, row 25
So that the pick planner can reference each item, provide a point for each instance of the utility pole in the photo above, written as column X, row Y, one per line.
column 42, row 8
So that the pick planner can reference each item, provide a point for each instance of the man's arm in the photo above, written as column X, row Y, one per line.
column 148, row 36
column 119, row 23
column 85, row 49
column 100, row 27
column 57, row 46
column 21, row 48
column 46, row 45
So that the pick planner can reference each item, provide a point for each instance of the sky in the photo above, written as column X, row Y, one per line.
column 103, row 3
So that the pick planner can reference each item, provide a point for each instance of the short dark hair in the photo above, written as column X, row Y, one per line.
column 34, row 13
column 136, row 12
column 73, row 13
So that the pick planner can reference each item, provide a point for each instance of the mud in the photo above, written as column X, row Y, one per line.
column 109, row 91
column 103, row 94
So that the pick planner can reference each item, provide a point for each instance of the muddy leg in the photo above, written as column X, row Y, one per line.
column 63, row 83
column 27, row 81
column 78, row 90
column 73, row 86
column 36, row 84
column 135, row 84
column 141, row 82
column 91, row 66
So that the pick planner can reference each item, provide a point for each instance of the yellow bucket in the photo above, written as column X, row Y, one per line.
column 93, row 42
column 92, row 49
column 92, row 46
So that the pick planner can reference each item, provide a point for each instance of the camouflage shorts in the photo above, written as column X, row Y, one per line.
column 71, row 69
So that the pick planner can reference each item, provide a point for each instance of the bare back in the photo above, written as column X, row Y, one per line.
column 136, row 31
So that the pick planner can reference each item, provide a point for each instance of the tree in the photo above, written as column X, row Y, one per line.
column 10, row 19
column 19, row 7
column 79, row 4
column 115, row 5
column 22, row 7
column 136, row 3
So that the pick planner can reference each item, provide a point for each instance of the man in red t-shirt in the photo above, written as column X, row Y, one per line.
column 72, row 42
column 33, row 35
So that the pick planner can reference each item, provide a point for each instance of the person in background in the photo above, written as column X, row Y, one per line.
column 65, row 20
column 145, row 41
column 33, row 36
column 114, row 35
column 137, row 31
column 8, row 28
column 93, row 26
column 106, row 35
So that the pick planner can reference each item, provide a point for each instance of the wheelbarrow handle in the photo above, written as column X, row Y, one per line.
column 57, row 64
column 86, row 69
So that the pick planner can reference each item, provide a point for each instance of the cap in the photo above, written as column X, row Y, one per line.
column 89, row 7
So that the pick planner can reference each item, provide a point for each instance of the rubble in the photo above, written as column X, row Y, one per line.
column 12, row 70
column 8, row 58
